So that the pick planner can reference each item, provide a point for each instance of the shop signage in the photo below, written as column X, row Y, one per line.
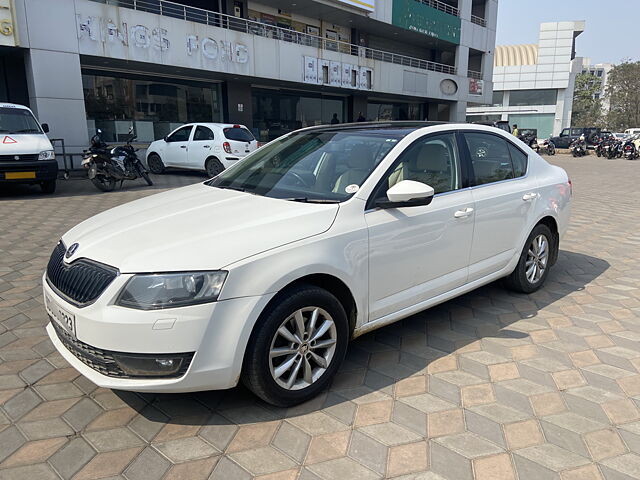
column 476, row 86
column 139, row 36
column 319, row 71
column 368, row 5
column 427, row 20
column 7, row 24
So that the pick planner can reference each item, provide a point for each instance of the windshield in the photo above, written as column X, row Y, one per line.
column 316, row 166
column 17, row 120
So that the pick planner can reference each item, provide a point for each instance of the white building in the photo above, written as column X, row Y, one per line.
column 534, row 84
column 272, row 65
column 600, row 73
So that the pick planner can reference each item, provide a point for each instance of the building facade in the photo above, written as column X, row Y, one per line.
column 534, row 84
column 274, row 66
column 600, row 74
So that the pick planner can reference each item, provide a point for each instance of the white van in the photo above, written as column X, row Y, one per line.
column 632, row 131
column 26, row 154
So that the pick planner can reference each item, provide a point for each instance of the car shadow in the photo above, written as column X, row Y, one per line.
column 376, row 361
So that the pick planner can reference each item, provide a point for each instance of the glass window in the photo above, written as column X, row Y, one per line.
column 317, row 166
column 180, row 135
column 17, row 120
column 490, row 158
column 576, row 132
column 498, row 98
column 239, row 134
column 532, row 97
column 432, row 160
column 203, row 133
column 519, row 160
column 153, row 106
column 565, row 132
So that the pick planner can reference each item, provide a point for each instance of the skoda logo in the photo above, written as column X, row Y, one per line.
column 71, row 250
column 16, row 157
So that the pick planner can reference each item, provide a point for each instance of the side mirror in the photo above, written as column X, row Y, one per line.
column 45, row 127
column 407, row 193
column 130, row 129
column 166, row 138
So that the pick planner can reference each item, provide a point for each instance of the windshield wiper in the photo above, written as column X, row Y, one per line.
column 237, row 189
column 310, row 200
column 27, row 130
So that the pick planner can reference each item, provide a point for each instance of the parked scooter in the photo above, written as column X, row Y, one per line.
column 629, row 150
column 546, row 147
column 578, row 147
column 107, row 167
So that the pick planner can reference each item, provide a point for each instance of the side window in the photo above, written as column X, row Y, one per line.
column 490, row 158
column 202, row 133
column 433, row 160
column 519, row 160
column 180, row 135
column 565, row 132
column 576, row 132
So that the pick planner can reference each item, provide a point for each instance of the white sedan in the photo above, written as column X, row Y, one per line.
column 265, row 272
column 211, row 147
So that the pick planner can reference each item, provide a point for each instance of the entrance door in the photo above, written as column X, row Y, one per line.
column 417, row 253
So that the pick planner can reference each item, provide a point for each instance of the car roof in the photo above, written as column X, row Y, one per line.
column 213, row 124
column 13, row 105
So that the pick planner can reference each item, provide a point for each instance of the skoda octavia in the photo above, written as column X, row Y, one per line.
column 263, row 273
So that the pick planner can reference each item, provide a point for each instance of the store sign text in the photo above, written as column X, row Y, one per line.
column 140, row 36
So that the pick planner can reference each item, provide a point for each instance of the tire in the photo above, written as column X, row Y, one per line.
column 106, row 184
column 156, row 165
column 522, row 281
column 143, row 173
column 48, row 186
column 213, row 167
column 259, row 370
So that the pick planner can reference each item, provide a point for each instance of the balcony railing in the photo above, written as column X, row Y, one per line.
column 443, row 7
column 198, row 15
column 478, row 20
column 474, row 74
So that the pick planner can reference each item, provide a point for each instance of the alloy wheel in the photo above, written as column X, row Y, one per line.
column 302, row 348
column 537, row 259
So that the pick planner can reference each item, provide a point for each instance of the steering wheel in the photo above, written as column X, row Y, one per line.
column 298, row 178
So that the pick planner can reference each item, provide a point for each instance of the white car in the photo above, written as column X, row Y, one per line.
column 211, row 147
column 265, row 272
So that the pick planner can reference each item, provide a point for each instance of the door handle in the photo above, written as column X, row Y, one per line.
column 527, row 197
column 183, row 146
column 463, row 213
column 206, row 146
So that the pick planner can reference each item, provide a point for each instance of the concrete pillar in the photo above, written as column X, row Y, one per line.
column 462, row 60
column 54, row 82
column 464, row 6
column 357, row 105
column 458, row 112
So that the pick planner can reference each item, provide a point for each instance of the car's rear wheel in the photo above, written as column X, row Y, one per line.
column 533, row 266
column 155, row 163
column 296, row 347
column 213, row 167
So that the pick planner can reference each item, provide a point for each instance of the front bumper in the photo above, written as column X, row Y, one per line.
column 217, row 332
column 44, row 170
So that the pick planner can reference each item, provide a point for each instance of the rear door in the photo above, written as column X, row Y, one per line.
column 240, row 141
column 176, row 152
column 504, row 197
column 201, row 146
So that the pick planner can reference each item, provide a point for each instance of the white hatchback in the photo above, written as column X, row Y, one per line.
column 265, row 272
column 211, row 147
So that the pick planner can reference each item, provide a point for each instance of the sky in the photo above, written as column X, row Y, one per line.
column 610, row 35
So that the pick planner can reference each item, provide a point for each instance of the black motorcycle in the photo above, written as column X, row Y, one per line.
column 546, row 147
column 578, row 147
column 107, row 167
column 629, row 150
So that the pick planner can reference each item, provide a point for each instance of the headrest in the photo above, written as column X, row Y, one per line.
column 432, row 157
column 360, row 158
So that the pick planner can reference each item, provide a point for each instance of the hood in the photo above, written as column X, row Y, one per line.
column 21, row 144
column 194, row 228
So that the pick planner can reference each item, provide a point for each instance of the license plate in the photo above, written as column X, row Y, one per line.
column 65, row 319
column 19, row 175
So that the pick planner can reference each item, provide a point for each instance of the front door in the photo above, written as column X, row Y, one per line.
column 417, row 253
column 176, row 152
column 505, row 199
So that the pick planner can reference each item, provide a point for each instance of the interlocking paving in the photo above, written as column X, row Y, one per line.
column 492, row 385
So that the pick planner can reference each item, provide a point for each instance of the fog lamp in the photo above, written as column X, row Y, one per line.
column 151, row 365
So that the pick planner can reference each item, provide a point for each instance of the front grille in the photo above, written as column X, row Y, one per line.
column 102, row 361
column 27, row 158
column 81, row 282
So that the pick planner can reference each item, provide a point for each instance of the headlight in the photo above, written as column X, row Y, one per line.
column 47, row 155
column 168, row 290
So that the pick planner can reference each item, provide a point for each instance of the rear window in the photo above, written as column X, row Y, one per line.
column 238, row 134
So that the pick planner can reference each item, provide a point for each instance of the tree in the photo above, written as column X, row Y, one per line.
column 587, row 109
column 623, row 93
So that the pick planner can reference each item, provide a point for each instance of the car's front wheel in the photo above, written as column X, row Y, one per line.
column 156, row 165
column 296, row 347
column 533, row 266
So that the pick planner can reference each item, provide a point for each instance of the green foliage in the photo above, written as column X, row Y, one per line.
column 623, row 93
column 587, row 110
